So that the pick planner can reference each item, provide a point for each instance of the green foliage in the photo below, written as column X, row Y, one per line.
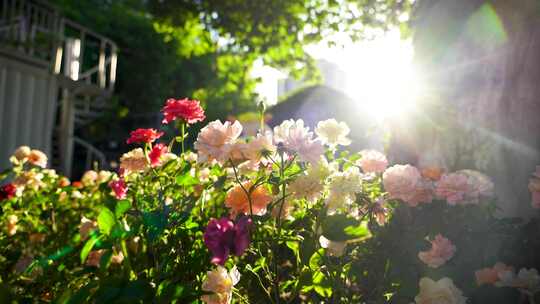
column 79, row 243
column 206, row 49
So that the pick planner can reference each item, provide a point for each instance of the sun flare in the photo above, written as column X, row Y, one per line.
column 379, row 74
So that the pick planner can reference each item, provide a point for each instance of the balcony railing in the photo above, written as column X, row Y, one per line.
column 35, row 29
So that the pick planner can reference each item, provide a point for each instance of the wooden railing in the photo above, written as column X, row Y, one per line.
column 37, row 30
column 30, row 27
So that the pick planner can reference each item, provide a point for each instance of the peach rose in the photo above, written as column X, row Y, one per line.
column 104, row 176
column 134, row 161
column 37, row 158
column 12, row 224
column 64, row 182
column 89, row 178
column 29, row 179
column 441, row 251
column 22, row 153
column 220, row 283
column 238, row 200
column 432, row 173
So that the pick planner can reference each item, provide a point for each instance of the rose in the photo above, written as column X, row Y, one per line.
column 145, row 136
column 189, row 111
column 441, row 292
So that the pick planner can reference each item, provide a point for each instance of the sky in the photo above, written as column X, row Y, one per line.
column 378, row 73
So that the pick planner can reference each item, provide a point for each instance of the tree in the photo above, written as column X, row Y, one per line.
column 206, row 48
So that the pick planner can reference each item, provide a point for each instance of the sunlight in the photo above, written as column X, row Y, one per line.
column 379, row 74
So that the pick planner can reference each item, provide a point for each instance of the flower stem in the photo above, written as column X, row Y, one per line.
column 183, row 131
column 279, row 223
column 126, row 257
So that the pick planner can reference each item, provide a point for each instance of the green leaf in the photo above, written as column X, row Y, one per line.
column 88, row 247
column 168, row 291
column 155, row 222
column 186, row 180
column 361, row 231
column 295, row 247
column 334, row 227
column 315, row 260
column 324, row 291
column 122, row 207
column 106, row 221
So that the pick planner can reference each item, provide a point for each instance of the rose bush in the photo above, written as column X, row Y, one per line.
column 286, row 216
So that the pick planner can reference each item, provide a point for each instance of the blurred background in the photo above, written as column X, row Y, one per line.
column 448, row 83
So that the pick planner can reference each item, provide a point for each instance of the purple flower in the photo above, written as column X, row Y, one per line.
column 241, row 237
column 223, row 237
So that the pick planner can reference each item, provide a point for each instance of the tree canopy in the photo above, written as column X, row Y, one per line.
column 205, row 49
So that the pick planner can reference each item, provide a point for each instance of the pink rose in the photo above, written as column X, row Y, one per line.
column 298, row 139
column 480, row 186
column 372, row 161
column 401, row 182
column 491, row 275
column 423, row 193
column 441, row 251
column 120, row 188
column 214, row 141
column 453, row 187
column 534, row 188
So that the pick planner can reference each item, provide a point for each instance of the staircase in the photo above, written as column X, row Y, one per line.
column 82, row 64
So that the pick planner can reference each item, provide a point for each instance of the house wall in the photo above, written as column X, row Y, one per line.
column 28, row 99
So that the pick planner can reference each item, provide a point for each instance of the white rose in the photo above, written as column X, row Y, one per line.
column 441, row 292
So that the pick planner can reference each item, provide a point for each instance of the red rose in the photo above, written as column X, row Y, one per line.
column 188, row 110
column 156, row 153
column 7, row 191
column 144, row 136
